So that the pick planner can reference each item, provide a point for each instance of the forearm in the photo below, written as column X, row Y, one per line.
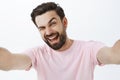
column 5, row 59
column 10, row 61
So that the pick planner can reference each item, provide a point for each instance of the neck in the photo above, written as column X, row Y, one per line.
column 67, row 45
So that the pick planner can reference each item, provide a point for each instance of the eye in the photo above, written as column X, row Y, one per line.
column 53, row 23
column 41, row 28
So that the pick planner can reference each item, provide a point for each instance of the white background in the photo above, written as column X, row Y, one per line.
column 97, row 20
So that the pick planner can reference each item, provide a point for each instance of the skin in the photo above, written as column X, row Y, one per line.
column 12, row 61
column 45, row 24
column 110, row 55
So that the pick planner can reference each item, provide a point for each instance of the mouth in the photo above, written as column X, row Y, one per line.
column 53, row 38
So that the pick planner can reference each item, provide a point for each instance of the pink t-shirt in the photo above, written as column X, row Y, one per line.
column 76, row 63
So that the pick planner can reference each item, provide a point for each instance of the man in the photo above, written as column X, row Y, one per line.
column 62, row 58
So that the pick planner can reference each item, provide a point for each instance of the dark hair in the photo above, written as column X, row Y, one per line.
column 44, row 7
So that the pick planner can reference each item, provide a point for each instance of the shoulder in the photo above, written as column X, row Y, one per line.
column 37, row 49
column 89, row 44
column 93, row 43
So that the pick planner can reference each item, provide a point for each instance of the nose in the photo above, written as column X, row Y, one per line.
column 48, row 31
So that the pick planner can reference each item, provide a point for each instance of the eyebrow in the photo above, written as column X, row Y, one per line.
column 51, row 19
column 48, row 21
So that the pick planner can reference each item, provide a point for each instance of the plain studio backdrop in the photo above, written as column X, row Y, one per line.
column 97, row 20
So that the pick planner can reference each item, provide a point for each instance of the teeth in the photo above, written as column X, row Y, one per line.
column 52, row 37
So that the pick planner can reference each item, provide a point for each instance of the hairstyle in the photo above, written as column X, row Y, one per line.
column 45, row 7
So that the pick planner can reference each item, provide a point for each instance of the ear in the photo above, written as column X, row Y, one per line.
column 65, row 22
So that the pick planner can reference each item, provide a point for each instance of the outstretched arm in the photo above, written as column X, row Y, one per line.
column 10, row 61
column 110, row 55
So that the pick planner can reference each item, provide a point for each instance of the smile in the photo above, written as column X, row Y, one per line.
column 53, row 37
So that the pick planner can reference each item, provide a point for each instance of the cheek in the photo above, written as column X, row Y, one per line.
column 58, row 29
column 61, row 29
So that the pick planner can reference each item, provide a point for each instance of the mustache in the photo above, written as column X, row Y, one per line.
column 51, row 34
column 47, row 36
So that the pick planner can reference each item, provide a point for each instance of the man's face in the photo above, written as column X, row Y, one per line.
column 52, row 29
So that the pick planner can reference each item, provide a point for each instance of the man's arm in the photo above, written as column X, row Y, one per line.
column 110, row 55
column 10, row 61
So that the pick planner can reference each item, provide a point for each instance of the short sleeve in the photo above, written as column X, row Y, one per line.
column 32, row 54
column 96, row 46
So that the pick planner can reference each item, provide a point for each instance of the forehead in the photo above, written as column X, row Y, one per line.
column 45, row 18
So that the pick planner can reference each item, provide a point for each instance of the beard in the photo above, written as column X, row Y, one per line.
column 62, row 39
